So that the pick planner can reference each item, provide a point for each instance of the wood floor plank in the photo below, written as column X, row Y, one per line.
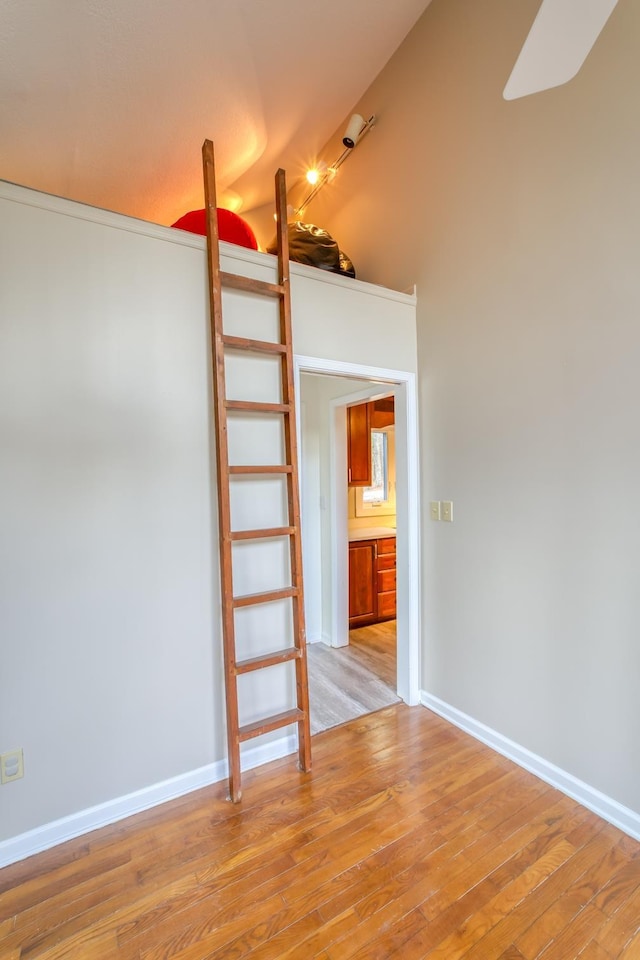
column 475, row 928
column 569, row 940
column 410, row 890
column 84, row 946
column 232, row 897
column 622, row 927
column 499, row 862
column 632, row 949
column 409, row 840
column 593, row 951
column 29, row 871
column 525, row 915
column 64, row 901
column 620, row 885
column 388, row 941
column 629, row 846
column 567, row 905
column 386, row 874
column 458, row 913
column 313, row 945
column 29, row 894
column 283, row 941
column 394, row 917
column 407, row 888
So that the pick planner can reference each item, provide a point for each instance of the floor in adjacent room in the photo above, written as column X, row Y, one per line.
column 349, row 682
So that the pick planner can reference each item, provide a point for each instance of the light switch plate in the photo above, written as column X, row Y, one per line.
column 446, row 510
column 434, row 507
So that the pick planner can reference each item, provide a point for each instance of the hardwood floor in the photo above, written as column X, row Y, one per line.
column 408, row 840
column 349, row 682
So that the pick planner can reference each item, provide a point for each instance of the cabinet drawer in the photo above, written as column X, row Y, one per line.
column 386, row 580
column 386, row 561
column 387, row 545
column 387, row 604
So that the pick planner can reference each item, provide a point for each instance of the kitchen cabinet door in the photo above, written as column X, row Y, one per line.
column 359, row 445
column 363, row 588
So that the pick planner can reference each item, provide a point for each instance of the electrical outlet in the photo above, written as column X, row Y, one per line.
column 446, row 510
column 11, row 766
column 434, row 508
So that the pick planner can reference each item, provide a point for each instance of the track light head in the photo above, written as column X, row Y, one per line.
column 353, row 131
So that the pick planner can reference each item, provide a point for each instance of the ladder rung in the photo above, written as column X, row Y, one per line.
column 261, row 468
column 250, row 285
column 256, row 406
column 262, row 534
column 268, row 660
column 251, row 599
column 257, row 346
column 270, row 723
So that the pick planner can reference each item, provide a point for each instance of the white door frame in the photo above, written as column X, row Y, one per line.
column 403, row 384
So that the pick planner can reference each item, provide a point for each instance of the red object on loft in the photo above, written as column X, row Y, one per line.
column 231, row 227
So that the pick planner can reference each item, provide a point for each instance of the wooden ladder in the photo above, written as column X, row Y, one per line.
column 220, row 342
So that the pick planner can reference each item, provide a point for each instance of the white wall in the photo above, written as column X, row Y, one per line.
column 519, row 223
column 107, row 584
column 110, row 653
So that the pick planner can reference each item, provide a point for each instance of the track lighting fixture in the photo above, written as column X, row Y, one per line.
column 321, row 174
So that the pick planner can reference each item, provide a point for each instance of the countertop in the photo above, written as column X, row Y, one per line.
column 371, row 533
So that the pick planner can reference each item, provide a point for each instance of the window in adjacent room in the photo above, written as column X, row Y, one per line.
column 380, row 498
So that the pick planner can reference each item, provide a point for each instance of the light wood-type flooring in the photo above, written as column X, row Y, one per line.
column 408, row 840
column 348, row 682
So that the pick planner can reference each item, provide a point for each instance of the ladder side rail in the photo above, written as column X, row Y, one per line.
column 222, row 469
column 293, row 493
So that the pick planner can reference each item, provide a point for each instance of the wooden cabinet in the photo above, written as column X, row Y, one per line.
column 386, row 585
column 361, row 419
column 363, row 593
column 383, row 413
column 359, row 445
column 372, row 581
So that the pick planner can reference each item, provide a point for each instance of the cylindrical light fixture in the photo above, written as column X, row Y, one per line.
column 353, row 131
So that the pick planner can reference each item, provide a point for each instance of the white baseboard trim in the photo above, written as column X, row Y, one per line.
column 323, row 638
column 77, row 824
column 607, row 808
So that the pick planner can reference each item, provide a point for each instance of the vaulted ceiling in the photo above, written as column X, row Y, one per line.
column 108, row 101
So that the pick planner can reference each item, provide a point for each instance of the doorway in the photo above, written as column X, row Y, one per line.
column 326, row 388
